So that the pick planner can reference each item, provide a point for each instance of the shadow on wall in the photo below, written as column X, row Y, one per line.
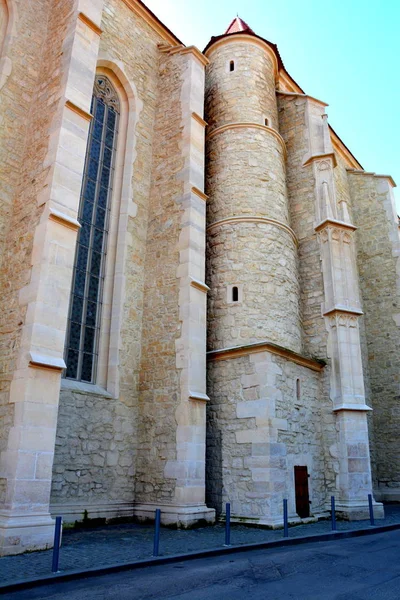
column 213, row 466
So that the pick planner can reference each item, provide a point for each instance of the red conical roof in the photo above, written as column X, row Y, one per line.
column 238, row 25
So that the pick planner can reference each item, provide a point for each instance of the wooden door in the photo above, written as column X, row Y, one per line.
column 302, row 497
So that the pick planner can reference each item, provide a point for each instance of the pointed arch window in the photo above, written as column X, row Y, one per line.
column 83, row 332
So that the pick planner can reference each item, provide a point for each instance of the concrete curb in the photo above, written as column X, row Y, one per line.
column 164, row 560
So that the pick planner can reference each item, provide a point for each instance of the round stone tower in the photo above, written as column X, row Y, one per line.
column 252, row 252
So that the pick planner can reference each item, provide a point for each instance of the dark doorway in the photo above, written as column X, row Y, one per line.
column 302, row 497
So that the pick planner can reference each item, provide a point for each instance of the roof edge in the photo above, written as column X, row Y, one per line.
column 151, row 19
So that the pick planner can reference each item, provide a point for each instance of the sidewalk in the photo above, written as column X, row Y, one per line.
column 109, row 545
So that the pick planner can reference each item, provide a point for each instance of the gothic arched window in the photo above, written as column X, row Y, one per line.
column 82, row 341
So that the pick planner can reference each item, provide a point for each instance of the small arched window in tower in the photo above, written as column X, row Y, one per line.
column 235, row 294
column 232, row 65
column 266, row 122
column 298, row 389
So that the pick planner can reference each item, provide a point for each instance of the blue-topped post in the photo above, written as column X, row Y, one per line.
column 228, row 524
column 333, row 513
column 56, row 546
column 371, row 509
column 285, row 519
column 157, row 523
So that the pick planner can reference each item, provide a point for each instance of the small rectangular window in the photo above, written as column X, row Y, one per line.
column 232, row 65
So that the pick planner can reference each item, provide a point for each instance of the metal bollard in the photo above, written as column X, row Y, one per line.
column 56, row 547
column 371, row 509
column 228, row 525
column 285, row 519
column 157, row 522
column 333, row 513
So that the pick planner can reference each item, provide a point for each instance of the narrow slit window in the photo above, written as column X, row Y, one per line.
column 298, row 389
column 235, row 294
column 266, row 121
column 83, row 332
column 232, row 65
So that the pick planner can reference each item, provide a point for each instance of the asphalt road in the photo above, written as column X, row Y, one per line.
column 365, row 568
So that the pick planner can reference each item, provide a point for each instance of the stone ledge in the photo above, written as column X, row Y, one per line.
column 254, row 219
column 334, row 223
column 198, row 396
column 71, row 512
column 63, row 219
column 46, row 361
column 249, row 125
column 199, row 193
column 343, row 309
column 89, row 23
column 81, row 387
column 310, row 159
column 78, row 110
column 246, row 349
column 352, row 407
column 175, row 514
column 199, row 285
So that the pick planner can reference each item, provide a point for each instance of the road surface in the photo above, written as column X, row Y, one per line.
column 364, row 568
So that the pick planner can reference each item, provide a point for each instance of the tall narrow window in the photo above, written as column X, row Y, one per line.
column 235, row 294
column 232, row 65
column 298, row 389
column 83, row 331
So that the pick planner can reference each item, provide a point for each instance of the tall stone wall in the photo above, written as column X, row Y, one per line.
column 31, row 93
column 378, row 251
column 258, row 429
column 97, row 433
column 19, row 212
column 301, row 191
column 159, row 379
column 250, row 243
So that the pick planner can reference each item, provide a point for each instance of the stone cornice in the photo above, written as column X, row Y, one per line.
column 248, row 39
column 249, row 125
column 253, row 219
column 314, row 157
column 78, row 110
column 247, row 349
column 372, row 174
column 142, row 11
column 181, row 49
column 334, row 223
column 283, row 93
column 89, row 23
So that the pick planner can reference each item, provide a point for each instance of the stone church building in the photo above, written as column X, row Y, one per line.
column 200, row 295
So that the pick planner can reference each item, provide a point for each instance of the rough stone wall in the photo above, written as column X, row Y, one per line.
column 257, row 431
column 31, row 94
column 227, row 92
column 159, row 379
column 301, row 193
column 112, row 423
column 246, row 181
column 94, row 450
column 260, row 259
column 378, row 249
column 246, row 175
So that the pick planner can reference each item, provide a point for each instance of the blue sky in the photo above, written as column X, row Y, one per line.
column 346, row 53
